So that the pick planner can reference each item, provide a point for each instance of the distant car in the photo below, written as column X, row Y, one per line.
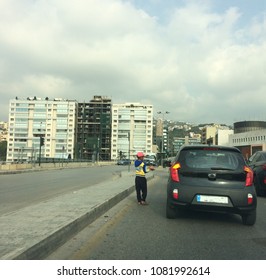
column 124, row 162
column 258, row 164
column 211, row 178
column 168, row 161
column 150, row 162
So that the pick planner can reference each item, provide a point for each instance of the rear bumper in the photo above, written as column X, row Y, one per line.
column 237, row 199
column 212, row 207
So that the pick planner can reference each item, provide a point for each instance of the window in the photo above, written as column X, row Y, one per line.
column 206, row 159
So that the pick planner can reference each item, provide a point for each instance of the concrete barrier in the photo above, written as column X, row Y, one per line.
column 35, row 166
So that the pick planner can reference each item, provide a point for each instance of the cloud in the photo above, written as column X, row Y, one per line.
column 194, row 64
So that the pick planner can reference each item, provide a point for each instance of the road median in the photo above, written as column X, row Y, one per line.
column 35, row 231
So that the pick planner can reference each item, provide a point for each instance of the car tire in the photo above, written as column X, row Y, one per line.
column 256, row 184
column 249, row 219
column 170, row 211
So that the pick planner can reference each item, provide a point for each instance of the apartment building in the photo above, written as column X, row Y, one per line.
column 94, row 129
column 162, row 136
column 32, row 119
column 178, row 142
column 208, row 134
column 215, row 134
column 222, row 136
column 132, row 130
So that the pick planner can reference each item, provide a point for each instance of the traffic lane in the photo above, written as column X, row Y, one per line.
column 133, row 232
column 24, row 189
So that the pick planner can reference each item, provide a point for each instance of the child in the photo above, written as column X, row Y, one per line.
column 140, row 180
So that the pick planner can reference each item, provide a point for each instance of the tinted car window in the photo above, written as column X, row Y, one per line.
column 255, row 157
column 262, row 157
column 210, row 159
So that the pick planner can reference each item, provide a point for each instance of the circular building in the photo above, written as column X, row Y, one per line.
column 246, row 126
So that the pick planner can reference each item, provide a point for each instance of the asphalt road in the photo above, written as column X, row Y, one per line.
column 24, row 189
column 132, row 232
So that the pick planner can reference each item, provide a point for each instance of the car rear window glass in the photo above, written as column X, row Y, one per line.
column 211, row 159
column 263, row 156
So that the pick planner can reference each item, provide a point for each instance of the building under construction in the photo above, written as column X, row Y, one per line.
column 94, row 129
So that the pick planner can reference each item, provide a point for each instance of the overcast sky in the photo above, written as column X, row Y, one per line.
column 203, row 61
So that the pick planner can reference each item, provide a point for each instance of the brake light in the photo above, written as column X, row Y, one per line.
column 174, row 172
column 250, row 198
column 249, row 176
column 175, row 193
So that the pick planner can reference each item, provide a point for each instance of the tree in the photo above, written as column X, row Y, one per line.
column 3, row 149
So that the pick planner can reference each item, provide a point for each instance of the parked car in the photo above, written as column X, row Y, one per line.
column 124, row 162
column 150, row 160
column 168, row 162
column 211, row 178
column 258, row 164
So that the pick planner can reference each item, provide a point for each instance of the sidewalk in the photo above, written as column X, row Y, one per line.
column 35, row 231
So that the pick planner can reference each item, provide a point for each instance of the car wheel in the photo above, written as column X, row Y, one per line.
column 256, row 184
column 249, row 219
column 170, row 211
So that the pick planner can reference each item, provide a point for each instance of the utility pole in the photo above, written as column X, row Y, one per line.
column 40, row 148
column 41, row 143
column 98, row 150
column 129, row 150
column 162, row 143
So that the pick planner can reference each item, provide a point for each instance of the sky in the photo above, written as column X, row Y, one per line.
column 203, row 61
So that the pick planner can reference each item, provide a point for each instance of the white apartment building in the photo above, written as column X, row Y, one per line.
column 222, row 136
column 31, row 118
column 132, row 127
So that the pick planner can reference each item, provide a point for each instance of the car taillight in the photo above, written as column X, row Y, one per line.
column 250, row 198
column 174, row 172
column 249, row 176
column 175, row 193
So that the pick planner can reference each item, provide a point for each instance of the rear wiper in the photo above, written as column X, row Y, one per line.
column 221, row 168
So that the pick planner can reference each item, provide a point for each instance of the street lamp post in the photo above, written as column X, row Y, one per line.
column 98, row 150
column 129, row 150
column 40, row 144
column 162, row 144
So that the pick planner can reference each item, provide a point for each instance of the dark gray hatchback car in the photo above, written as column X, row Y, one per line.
column 211, row 178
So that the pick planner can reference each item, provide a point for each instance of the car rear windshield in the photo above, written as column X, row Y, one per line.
column 214, row 159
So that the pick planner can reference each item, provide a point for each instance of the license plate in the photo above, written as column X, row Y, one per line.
column 212, row 199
